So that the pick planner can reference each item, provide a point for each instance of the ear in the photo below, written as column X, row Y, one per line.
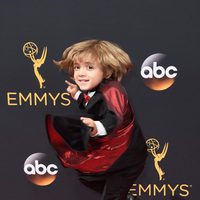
column 108, row 73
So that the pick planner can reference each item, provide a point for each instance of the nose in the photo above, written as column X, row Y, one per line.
column 82, row 71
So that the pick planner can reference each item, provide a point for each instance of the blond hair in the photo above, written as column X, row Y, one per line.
column 114, row 60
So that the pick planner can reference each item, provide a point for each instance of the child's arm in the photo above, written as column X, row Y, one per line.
column 91, row 123
column 75, row 93
column 102, row 127
column 72, row 89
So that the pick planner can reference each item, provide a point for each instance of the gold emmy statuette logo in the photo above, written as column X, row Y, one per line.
column 152, row 146
column 30, row 49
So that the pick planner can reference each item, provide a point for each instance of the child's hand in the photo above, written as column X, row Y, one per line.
column 72, row 88
column 90, row 122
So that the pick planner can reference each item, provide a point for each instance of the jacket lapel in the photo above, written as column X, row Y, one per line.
column 94, row 99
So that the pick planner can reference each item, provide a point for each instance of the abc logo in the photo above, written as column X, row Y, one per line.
column 39, row 169
column 155, row 75
column 158, row 71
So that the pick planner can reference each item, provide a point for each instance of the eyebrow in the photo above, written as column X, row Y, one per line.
column 84, row 63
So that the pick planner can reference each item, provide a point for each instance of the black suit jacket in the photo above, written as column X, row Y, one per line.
column 77, row 134
column 98, row 110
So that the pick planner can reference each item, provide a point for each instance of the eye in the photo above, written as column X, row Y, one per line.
column 76, row 67
column 90, row 67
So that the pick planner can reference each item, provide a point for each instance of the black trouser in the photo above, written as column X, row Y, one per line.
column 115, row 183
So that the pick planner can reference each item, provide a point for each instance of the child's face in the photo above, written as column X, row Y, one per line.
column 88, row 72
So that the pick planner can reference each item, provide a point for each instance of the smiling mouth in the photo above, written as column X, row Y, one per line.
column 83, row 81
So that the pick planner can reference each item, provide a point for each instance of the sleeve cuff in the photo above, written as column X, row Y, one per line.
column 101, row 131
column 76, row 96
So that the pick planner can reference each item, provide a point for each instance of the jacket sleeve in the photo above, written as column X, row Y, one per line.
column 109, row 121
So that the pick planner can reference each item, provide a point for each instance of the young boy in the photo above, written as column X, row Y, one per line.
column 113, row 155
